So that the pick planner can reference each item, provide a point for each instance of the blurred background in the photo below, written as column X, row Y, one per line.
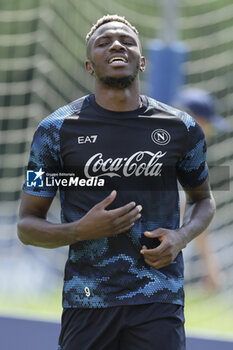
column 42, row 55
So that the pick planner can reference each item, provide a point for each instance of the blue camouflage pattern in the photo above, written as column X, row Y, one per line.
column 111, row 271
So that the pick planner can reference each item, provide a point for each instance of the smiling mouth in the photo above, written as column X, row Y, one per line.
column 117, row 59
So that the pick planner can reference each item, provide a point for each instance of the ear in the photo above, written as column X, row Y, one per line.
column 89, row 67
column 143, row 64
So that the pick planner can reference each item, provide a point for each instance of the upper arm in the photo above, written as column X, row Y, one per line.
column 192, row 169
column 34, row 206
column 45, row 157
column 198, row 193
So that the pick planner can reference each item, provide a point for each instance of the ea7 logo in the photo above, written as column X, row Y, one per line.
column 160, row 137
column 85, row 139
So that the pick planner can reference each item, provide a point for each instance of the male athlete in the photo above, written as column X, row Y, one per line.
column 123, row 285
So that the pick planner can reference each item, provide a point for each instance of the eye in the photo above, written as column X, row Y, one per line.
column 103, row 43
column 128, row 42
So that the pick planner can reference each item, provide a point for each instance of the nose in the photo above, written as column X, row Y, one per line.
column 117, row 45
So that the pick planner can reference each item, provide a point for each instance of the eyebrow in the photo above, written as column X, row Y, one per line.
column 121, row 36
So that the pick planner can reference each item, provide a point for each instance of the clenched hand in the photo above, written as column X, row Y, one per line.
column 171, row 243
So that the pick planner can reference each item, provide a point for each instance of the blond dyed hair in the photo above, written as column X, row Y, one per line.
column 107, row 19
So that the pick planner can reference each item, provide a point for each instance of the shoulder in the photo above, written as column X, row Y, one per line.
column 56, row 118
column 181, row 116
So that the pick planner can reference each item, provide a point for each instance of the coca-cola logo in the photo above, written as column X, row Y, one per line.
column 143, row 163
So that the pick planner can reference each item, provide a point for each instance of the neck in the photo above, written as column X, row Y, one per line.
column 121, row 100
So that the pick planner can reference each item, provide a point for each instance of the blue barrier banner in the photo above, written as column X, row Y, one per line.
column 165, row 71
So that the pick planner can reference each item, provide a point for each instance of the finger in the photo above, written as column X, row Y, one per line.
column 125, row 222
column 125, row 229
column 149, row 262
column 128, row 218
column 154, row 253
column 108, row 200
column 151, row 259
column 152, row 234
column 126, row 209
column 162, row 258
column 156, row 265
column 130, row 222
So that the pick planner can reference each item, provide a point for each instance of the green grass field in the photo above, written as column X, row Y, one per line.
column 204, row 314
column 210, row 313
column 44, row 306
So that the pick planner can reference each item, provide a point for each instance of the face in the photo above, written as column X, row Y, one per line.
column 114, row 55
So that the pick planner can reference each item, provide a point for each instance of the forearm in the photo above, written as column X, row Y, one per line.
column 34, row 229
column 39, row 232
column 197, row 217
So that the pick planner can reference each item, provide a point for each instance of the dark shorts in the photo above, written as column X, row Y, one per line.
column 139, row 327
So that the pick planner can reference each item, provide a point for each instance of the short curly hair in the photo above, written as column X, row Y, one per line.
column 107, row 19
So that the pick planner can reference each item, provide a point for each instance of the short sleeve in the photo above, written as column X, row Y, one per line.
column 44, row 157
column 192, row 169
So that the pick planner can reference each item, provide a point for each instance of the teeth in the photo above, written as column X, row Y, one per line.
column 113, row 59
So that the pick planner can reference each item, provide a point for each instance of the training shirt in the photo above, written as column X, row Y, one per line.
column 141, row 154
